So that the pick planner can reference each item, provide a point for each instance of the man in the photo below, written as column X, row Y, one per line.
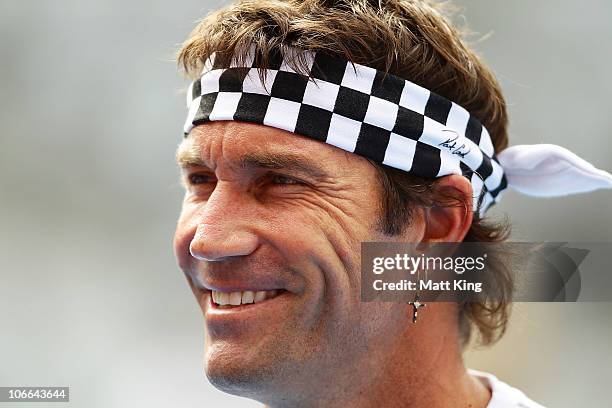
column 315, row 126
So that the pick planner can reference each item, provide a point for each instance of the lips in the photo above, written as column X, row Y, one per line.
column 233, row 321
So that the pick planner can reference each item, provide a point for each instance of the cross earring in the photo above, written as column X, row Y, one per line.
column 415, row 307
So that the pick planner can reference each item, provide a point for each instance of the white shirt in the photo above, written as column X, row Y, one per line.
column 503, row 395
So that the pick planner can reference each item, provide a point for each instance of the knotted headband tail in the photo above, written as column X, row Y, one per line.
column 385, row 118
column 547, row 170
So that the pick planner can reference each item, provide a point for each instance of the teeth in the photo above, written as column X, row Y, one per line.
column 222, row 298
column 248, row 297
column 238, row 298
column 259, row 296
column 235, row 298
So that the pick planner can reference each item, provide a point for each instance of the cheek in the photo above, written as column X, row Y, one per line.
column 309, row 233
column 324, row 245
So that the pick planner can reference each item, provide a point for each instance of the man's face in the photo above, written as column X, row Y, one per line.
column 267, row 210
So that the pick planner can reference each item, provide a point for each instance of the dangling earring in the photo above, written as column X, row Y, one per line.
column 415, row 303
column 415, row 307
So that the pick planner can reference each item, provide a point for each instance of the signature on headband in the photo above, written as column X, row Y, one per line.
column 451, row 145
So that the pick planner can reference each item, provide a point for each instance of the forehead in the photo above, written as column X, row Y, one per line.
column 233, row 140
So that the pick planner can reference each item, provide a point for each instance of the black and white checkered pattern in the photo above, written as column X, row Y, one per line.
column 359, row 109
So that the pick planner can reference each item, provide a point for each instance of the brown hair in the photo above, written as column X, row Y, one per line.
column 412, row 39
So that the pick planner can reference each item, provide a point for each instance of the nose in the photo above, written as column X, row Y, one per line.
column 225, row 227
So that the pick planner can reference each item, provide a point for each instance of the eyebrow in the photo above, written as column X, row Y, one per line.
column 188, row 155
column 286, row 161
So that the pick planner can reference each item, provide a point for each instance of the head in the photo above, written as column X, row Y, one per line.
column 268, row 210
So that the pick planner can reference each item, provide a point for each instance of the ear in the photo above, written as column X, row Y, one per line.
column 449, row 222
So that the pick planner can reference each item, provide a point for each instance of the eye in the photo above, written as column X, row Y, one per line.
column 279, row 179
column 199, row 178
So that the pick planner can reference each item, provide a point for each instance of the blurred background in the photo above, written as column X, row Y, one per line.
column 91, row 111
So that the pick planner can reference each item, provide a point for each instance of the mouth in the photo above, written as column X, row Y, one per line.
column 235, row 313
column 242, row 299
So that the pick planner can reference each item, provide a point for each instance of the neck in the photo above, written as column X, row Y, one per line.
column 421, row 368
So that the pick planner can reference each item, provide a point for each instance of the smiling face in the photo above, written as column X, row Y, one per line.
column 267, row 210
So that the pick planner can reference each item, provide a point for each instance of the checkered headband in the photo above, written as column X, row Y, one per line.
column 359, row 109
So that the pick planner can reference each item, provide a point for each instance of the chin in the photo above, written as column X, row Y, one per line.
column 244, row 371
